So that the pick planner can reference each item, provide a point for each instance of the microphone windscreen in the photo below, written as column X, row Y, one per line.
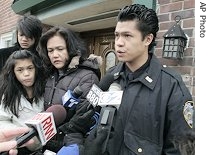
column 77, row 92
column 59, row 113
column 115, row 87
column 106, row 81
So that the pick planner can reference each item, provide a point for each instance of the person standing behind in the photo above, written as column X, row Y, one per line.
column 21, row 91
column 64, row 55
column 156, row 105
column 28, row 32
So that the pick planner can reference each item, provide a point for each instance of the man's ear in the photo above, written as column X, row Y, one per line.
column 148, row 39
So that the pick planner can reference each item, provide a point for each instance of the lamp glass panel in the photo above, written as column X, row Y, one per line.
column 165, row 54
column 171, row 47
column 166, row 48
column 166, row 41
column 176, row 41
column 175, row 48
column 174, row 54
column 169, row 54
column 171, row 41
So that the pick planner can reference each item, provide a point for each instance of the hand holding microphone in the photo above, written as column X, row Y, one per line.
column 81, row 121
column 79, row 124
column 81, row 115
column 42, row 125
column 76, row 128
column 94, row 142
column 109, row 101
column 6, row 144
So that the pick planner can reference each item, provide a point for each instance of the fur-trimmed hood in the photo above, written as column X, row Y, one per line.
column 93, row 62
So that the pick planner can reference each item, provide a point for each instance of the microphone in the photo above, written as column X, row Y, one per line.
column 110, row 102
column 43, row 125
column 112, row 97
column 115, row 87
column 59, row 113
column 93, row 95
column 71, row 98
column 106, row 81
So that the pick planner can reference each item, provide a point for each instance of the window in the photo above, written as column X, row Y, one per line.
column 6, row 40
column 110, row 59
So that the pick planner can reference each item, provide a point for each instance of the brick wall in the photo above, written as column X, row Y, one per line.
column 167, row 10
column 8, row 18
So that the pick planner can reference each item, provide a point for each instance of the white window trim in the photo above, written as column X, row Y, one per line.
column 6, row 37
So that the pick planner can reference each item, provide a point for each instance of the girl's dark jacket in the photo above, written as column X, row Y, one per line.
column 156, row 107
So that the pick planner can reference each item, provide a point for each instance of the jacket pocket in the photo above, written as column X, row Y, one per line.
column 138, row 146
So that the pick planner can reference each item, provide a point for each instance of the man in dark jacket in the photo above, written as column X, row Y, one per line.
column 156, row 106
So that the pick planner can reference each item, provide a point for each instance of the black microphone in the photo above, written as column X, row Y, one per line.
column 43, row 125
column 106, row 81
column 71, row 98
column 93, row 95
column 110, row 102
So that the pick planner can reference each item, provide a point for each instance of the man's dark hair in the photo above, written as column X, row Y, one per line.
column 31, row 27
column 147, row 20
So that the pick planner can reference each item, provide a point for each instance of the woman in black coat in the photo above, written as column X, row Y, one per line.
column 65, row 58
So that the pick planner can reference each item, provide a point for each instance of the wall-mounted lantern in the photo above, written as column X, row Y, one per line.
column 175, row 41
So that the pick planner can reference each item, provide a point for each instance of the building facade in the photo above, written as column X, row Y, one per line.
column 95, row 20
column 8, row 19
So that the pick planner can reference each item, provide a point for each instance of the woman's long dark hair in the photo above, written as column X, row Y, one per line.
column 11, row 89
column 74, row 44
